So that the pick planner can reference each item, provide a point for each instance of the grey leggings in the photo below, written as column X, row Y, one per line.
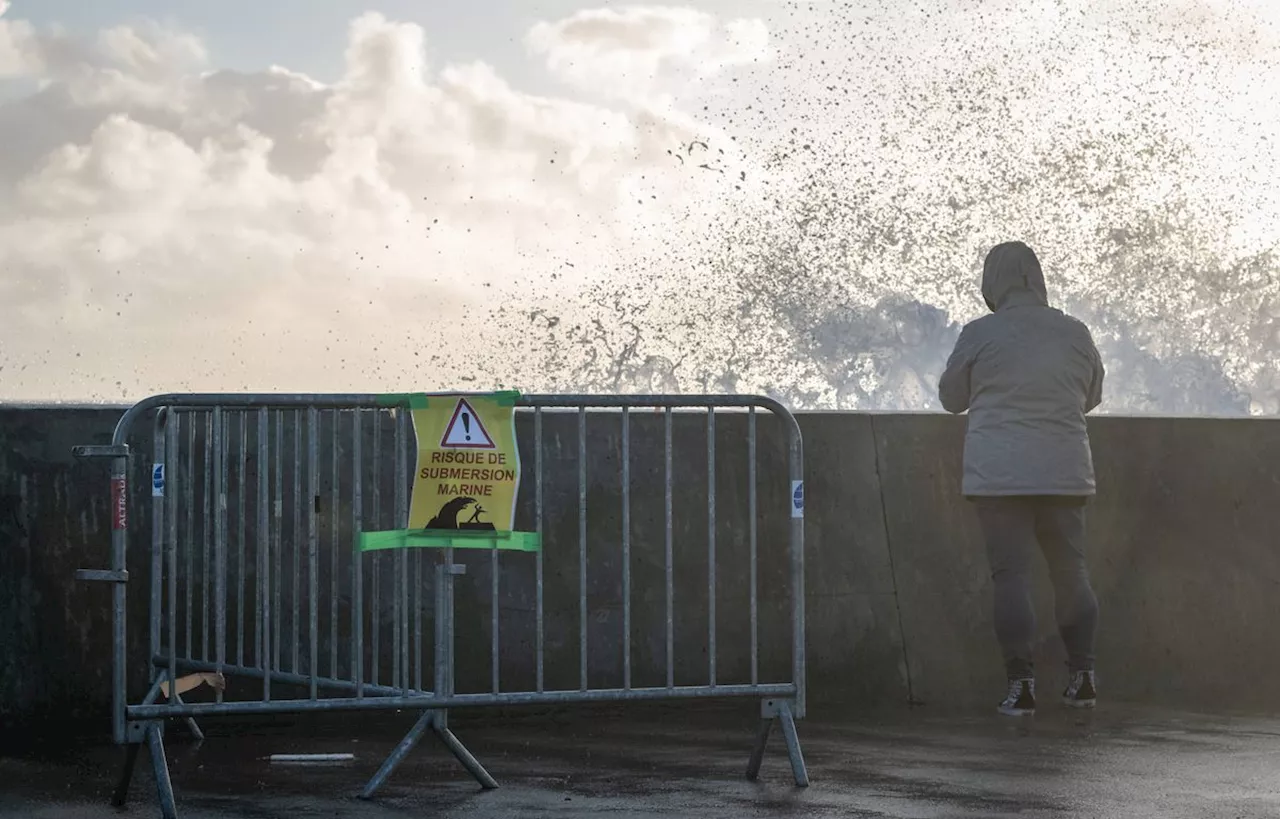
column 1015, row 529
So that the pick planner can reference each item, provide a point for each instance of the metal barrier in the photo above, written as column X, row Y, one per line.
column 255, row 497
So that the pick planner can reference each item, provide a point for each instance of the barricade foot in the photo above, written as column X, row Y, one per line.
column 437, row 721
column 464, row 756
column 779, row 710
column 757, row 753
column 160, row 766
column 121, row 795
column 798, row 768
column 397, row 756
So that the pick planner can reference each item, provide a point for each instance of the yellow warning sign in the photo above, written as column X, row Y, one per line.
column 468, row 464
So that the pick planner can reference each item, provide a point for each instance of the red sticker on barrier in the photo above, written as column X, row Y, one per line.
column 119, row 503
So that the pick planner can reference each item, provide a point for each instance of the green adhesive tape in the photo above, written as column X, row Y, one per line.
column 422, row 400
column 450, row 539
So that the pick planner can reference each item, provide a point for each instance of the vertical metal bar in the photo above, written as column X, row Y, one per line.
column 752, row 530
column 711, row 545
column 397, row 501
column 796, row 464
column 417, row 618
column 172, row 456
column 670, row 580
column 375, row 610
column 190, row 498
column 626, row 547
column 494, row 583
column 441, row 629
column 277, row 545
column 495, row 662
column 450, row 678
column 313, row 544
column 493, row 617
column 295, row 601
column 537, row 483
column 159, row 457
column 205, row 625
column 119, row 541
column 412, row 601
column 241, row 471
column 220, row 540
column 582, row 548
column 264, row 552
column 335, row 558
column 357, row 558
column 401, row 660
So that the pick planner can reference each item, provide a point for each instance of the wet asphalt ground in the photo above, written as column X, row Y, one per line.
column 1117, row 762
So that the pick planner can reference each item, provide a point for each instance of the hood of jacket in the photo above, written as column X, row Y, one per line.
column 1011, row 277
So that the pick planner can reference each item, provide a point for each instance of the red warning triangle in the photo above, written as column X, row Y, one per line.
column 465, row 430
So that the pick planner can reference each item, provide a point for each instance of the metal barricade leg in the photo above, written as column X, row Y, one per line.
column 437, row 721
column 781, row 711
column 121, row 795
column 788, row 721
column 445, row 572
column 757, row 753
column 441, row 726
column 397, row 756
column 160, row 765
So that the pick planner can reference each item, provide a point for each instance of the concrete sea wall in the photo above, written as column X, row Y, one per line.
column 1183, row 547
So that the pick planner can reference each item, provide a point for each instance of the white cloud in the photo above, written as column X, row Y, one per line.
column 19, row 51
column 155, row 52
column 640, row 50
column 168, row 226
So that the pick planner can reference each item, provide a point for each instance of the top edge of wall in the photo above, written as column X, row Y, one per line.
column 121, row 407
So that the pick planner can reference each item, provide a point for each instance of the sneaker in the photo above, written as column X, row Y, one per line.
column 1082, row 691
column 1021, row 699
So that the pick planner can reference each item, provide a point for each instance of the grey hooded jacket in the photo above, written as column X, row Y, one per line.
column 1027, row 374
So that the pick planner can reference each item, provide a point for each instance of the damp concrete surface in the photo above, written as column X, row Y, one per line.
column 1120, row 761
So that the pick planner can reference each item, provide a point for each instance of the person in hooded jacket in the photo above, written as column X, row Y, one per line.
column 1027, row 374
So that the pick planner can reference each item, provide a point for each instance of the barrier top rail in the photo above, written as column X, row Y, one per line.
column 393, row 400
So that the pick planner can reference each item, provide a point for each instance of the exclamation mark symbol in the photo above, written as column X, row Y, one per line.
column 466, row 424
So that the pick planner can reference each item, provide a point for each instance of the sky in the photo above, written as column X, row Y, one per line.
column 775, row 196
column 180, row 225
column 309, row 35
